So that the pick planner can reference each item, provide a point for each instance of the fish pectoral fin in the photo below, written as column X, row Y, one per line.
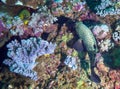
column 78, row 45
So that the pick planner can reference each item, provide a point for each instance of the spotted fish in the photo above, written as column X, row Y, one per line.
column 90, row 44
column 87, row 36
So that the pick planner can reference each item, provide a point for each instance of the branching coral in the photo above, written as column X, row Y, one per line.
column 105, row 45
column 116, row 37
column 7, row 19
column 23, row 55
column 101, row 31
column 33, row 25
column 68, row 8
column 71, row 62
column 107, row 7
column 18, row 24
column 35, row 58
column 41, row 19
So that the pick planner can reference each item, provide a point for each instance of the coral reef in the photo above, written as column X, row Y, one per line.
column 24, row 54
column 101, row 32
column 2, row 27
column 105, row 45
column 116, row 31
column 5, row 37
column 107, row 7
column 116, row 37
column 59, row 44
column 71, row 62
column 29, row 3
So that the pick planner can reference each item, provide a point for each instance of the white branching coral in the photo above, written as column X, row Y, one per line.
column 116, row 36
column 71, row 62
column 40, row 19
column 22, row 55
column 101, row 31
column 105, row 45
column 18, row 23
column 36, row 23
column 107, row 7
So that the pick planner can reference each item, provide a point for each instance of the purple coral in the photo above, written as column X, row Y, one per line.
column 23, row 55
column 41, row 19
column 36, row 25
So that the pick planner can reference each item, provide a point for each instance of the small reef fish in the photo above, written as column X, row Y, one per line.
column 90, row 44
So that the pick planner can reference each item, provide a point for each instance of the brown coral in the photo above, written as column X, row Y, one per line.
column 47, row 66
column 29, row 3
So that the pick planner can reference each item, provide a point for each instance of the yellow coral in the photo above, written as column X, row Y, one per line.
column 47, row 55
column 26, row 22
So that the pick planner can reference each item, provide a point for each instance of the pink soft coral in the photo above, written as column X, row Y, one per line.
column 101, row 31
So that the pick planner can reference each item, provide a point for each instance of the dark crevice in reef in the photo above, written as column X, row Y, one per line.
column 92, row 4
column 44, row 36
column 3, row 53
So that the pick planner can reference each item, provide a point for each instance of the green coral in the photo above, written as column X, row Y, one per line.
column 74, row 53
column 24, row 14
column 67, row 37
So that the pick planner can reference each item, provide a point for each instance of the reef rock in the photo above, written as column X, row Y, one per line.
column 29, row 3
